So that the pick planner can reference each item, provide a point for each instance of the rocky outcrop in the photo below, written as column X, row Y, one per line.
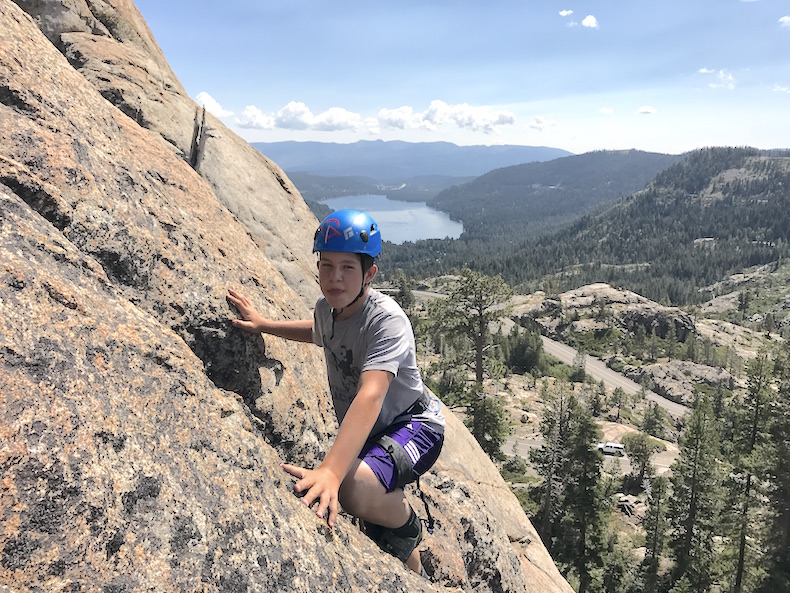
column 141, row 436
column 581, row 309
column 677, row 380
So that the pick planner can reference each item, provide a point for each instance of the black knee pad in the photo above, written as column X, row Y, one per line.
column 399, row 542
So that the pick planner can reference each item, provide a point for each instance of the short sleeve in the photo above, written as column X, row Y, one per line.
column 388, row 344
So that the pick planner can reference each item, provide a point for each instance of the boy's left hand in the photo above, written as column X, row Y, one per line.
column 318, row 485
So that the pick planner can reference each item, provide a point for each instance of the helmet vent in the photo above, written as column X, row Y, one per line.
column 364, row 236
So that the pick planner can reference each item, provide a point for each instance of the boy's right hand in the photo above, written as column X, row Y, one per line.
column 249, row 319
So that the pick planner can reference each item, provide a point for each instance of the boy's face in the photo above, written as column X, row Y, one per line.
column 340, row 277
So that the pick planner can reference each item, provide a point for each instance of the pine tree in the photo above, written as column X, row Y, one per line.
column 487, row 421
column 694, row 505
column 619, row 399
column 750, row 435
column 671, row 340
column 573, row 504
column 656, row 525
column 619, row 574
column 551, row 460
column 524, row 349
column 473, row 304
column 404, row 295
column 640, row 448
column 653, row 421
column 776, row 544
column 586, row 508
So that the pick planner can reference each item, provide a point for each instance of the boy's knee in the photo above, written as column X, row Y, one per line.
column 348, row 501
column 399, row 541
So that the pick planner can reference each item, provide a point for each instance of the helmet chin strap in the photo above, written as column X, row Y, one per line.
column 335, row 312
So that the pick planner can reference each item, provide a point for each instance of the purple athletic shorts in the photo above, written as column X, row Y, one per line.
column 421, row 443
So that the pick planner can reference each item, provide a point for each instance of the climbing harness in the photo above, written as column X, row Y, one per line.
column 400, row 459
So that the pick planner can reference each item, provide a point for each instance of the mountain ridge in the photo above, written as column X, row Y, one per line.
column 390, row 161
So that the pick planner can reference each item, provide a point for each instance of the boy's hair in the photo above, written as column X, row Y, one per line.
column 367, row 262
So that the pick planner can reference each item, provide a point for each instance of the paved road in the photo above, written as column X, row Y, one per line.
column 521, row 445
column 600, row 372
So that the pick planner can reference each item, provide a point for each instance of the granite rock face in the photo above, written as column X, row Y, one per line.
column 109, row 43
column 140, row 435
column 124, row 467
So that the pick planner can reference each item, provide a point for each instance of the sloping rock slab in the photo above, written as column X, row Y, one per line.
column 124, row 468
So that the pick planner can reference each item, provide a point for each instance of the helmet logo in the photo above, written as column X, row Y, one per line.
column 329, row 230
column 348, row 233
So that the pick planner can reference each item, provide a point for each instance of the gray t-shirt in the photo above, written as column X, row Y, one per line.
column 378, row 336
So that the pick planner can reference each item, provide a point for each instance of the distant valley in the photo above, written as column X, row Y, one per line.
column 669, row 227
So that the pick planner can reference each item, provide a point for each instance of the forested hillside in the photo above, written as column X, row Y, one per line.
column 534, row 197
column 717, row 212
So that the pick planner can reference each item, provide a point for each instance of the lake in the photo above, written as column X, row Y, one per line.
column 401, row 221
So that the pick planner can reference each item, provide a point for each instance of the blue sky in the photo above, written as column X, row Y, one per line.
column 664, row 76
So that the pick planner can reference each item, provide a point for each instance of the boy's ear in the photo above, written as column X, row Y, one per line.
column 370, row 273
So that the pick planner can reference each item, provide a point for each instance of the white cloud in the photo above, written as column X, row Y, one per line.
column 255, row 118
column 540, row 123
column 294, row 116
column 371, row 125
column 781, row 89
column 212, row 105
column 724, row 79
column 336, row 118
column 646, row 109
column 403, row 118
column 566, row 12
column 590, row 21
column 478, row 119
column 785, row 21
column 297, row 116
column 607, row 111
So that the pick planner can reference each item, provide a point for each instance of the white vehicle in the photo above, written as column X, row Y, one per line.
column 611, row 449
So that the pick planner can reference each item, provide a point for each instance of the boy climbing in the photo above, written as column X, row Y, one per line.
column 391, row 430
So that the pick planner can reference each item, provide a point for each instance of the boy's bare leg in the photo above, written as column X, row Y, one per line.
column 414, row 561
column 363, row 496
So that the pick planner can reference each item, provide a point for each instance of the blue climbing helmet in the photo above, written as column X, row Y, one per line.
column 348, row 231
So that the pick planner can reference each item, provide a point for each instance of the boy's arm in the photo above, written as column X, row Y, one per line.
column 250, row 320
column 323, row 483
